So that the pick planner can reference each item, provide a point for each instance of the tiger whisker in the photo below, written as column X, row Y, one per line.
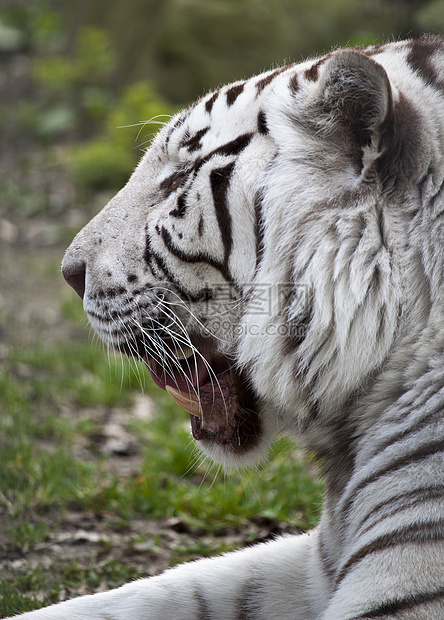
column 168, row 361
column 210, row 371
column 178, row 339
column 166, row 350
column 131, row 347
column 182, row 305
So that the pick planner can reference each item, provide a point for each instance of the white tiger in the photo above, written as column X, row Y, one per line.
column 317, row 189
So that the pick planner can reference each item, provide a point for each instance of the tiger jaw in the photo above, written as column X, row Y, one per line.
column 213, row 393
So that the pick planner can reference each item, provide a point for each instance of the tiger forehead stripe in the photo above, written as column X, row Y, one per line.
column 209, row 104
column 233, row 93
column 294, row 83
column 261, row 84
column 234, row 147
column 420, row 59
column 312, row 73
column 194, row 143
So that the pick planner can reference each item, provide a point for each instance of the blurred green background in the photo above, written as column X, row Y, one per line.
column 80, row 73
column 99, row 482
column 188, row 46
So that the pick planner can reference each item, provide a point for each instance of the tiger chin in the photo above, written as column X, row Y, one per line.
column 277, row 262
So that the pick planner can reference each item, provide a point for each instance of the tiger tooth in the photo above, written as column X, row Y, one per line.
column 187, row 401
column 183, row 353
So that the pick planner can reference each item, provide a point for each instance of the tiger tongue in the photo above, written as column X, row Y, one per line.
column 213, row 414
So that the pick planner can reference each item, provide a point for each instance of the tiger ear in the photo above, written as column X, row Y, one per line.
column 353, row 99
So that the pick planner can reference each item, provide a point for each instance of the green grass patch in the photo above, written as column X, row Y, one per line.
column 23, row 591
column 49, row 397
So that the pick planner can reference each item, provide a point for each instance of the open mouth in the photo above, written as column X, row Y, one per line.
column 205, row 389
column 221, row 406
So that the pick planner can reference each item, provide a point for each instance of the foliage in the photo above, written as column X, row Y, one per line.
column 20, row 592
column 74, row 91
column 188, row 47
column 76, row 100
column 72, row 87
column 183, row 48
column 431, row 16
column 107, row 161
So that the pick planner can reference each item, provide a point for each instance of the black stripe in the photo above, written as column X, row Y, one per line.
column 234, row 147
column 403, row 412
column 148, row 255
column 422, row 423
column 173, row 182
column 417, row 533
column 262, row 123
column 420, row 454
column 294, row 83
column 189, row 258
column 204, row 612
column 209, row 104
column 152, row 257
column 181, row 206
column 312, row 73
column 220, row 181
column 327, row 563
column 170, row 278
column 194, row 143
column 176, row 125
column 420, row 59
column 247, row 603
column 297, row 330
column 259, row 229
column 261, row 84
column 404, row 604
column 184, row 256
column 201, row 226
column 389, row 507
column 233, row 93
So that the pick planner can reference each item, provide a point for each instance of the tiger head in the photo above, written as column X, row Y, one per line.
column 251, row 260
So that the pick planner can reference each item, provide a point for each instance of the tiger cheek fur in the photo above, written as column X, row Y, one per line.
column 276, row 261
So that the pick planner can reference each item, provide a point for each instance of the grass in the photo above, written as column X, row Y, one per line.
column 50, row 394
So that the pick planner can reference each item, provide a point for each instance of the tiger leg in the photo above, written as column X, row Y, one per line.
column 280, row 579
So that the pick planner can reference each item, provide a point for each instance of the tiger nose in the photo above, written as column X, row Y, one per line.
column 75, row 274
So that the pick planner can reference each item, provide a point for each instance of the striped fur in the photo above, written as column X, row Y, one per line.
column 289, row 230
